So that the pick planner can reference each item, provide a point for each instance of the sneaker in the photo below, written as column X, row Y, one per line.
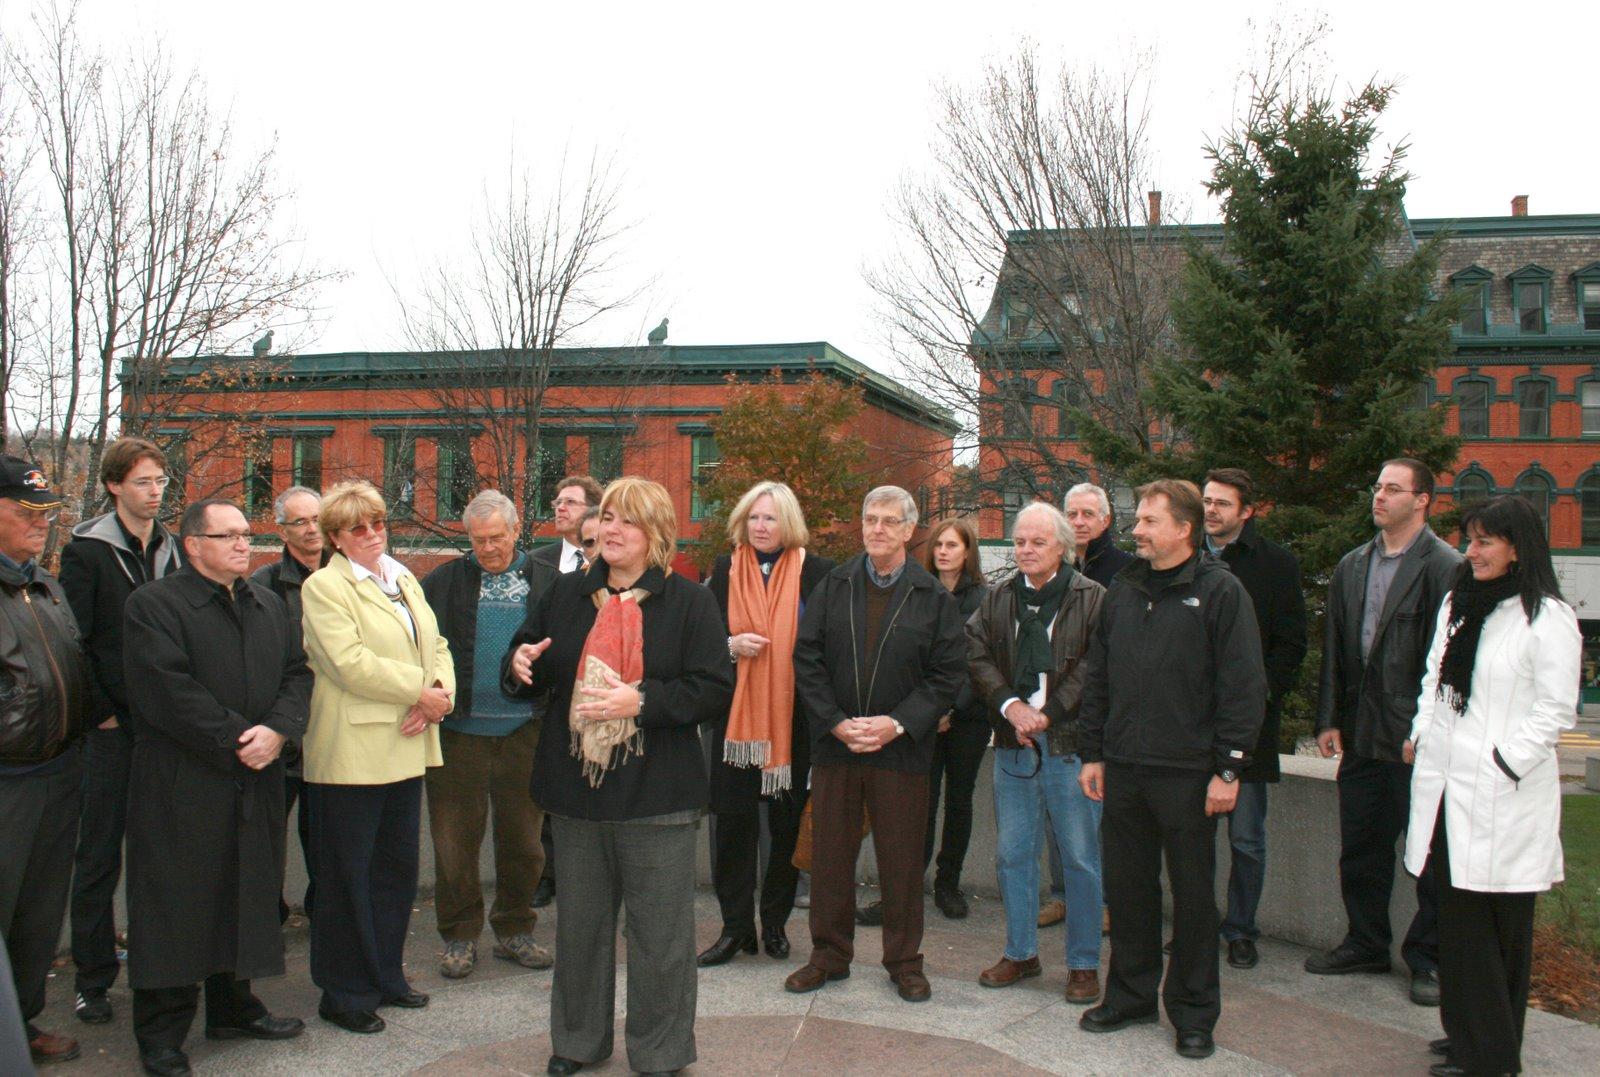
column 802, row 892
column 524, row 951
column 92, row 1006
column 459, row 959
column 1052, row 912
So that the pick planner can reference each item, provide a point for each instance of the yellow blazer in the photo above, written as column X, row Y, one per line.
column 369, row 671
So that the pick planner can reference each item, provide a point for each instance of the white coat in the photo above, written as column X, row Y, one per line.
column 1504, row 832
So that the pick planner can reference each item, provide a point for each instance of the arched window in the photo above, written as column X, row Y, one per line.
column 1589, row 498
column 1016, row 402
column 1537, row 489
column 1471, row 486
column 1472, row 408
column 1533, row 406
column 1068, row 395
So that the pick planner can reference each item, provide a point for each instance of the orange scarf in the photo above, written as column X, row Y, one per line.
column 761, row 722
column 616, row 644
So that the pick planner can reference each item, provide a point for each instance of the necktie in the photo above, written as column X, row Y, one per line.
column 577, row 560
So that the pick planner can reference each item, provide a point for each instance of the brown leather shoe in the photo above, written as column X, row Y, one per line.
column 1052, row 912
column 1083, row 986
column 46, row 1047
column 808, row 978
column 1005, row 972
column 914, row 986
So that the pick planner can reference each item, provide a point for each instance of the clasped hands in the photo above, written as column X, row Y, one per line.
column 618, row 699
column 430, row 709
column 866, row 734
column 1026, row 720
column 259, row 746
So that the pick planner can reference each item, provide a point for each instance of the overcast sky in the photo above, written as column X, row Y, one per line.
column 760, row 143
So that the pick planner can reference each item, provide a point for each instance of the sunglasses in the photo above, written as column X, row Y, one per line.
column 376, row 527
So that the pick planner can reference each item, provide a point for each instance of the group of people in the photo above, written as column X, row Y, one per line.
column 161, row 691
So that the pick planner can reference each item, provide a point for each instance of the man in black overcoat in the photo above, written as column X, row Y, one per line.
column 217, row 681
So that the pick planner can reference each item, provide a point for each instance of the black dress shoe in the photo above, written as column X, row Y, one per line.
column 775, row 942
column 411, row 1000
column 1195, row 1043
column 544, row 893
column 559, row 1065
column 1242, row 954
column 1107, row 1018
column 1446, row 1069
column 721, row 952
column 165, row 1062
column 661, row 1073
column 1425, row 988
column 265, row 1027
column 951, row 903
column 1440, row 1046
column 1343, row 960
column 354, row 1020
column 870, row 915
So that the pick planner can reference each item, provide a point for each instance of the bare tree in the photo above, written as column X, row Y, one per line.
column 541, row 267
column 1029, row 286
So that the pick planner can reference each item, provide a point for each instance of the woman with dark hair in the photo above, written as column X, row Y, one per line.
column 951, row 554
column 762, row 749
column 1501, row 683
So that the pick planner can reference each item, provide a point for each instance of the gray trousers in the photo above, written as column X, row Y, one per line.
column 38, row 832
column 649, row 869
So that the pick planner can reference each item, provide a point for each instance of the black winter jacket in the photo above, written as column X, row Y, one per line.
column 283, row 578
column 914, row 678
column 99, row 570
column 44, row 686
column 969, row 706
column 1272, row 576
column 1372, row 701
column 688, row 680
column 1102, row 559
column 1174, row 676
column 452, row 593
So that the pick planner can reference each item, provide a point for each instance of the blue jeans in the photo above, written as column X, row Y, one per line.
column 1019, row 809
column 1247, row 836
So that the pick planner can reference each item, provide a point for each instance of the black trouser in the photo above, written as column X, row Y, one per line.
column 365, row 839
column 735, row 856
column 38, row 827
column 1151, row 811
column 294, row 790
column 162, row 1015
column 1485, row 959
column 1374, row 805
column 957, row 757
column 107, row 760
column 547, row 839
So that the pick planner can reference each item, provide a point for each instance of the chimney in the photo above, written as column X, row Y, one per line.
column 1155, row 207
column 1519, row 206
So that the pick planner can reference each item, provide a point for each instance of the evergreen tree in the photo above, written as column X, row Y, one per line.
column 1305, row 336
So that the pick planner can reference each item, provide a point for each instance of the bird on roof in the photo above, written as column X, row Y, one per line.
column 658, row 335
column 262, row 346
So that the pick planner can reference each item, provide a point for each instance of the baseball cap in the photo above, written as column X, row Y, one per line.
column 24, row 482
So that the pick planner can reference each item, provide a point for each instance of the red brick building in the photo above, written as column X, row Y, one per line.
column 431, row 429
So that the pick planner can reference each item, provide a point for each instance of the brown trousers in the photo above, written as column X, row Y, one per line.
column 478, row 772
column 896, row 803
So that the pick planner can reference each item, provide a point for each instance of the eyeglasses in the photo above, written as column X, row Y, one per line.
column 229, row 536
column 587, row 544
column 1038, row 764
column 376, row 527
column 36, row 516
column 569, row 502
column 145, row 486
column 301, row 521
column 1391, row 489
column 890, row 522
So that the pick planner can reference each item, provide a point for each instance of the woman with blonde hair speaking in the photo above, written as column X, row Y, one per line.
column 384, row 680
column 634, row 658
column 762, row 750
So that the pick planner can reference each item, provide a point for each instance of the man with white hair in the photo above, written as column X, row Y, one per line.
column 488, row 744
column 879, row 659
column 1088, row 510
column 1025, row 648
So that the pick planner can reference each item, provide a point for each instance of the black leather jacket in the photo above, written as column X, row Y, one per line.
column 44, row 688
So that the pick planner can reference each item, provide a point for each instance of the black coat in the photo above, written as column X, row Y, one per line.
column 1174, row 676
column 44, row 684
column 205, row 832
column 1271, row 575
column 1373, row 701
column 284, row 578
column 452, row 593
column 98, row 572
column 1102, row 559
column 970, row 707
column 688, row 679
column 914, row 678
column 735, row 789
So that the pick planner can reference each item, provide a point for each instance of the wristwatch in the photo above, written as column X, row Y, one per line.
column 1228, row 774
column 899, row 730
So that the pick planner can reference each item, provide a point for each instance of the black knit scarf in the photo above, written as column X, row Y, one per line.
column 1470, row 605
column 1036, row 611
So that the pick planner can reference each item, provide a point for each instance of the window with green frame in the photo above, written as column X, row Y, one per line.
column 552, row 464
column 605, row 457
column 1538, row 490
column 1474, row 296
column 308, row 461
column 1533, row 407
column 1472, row 408
column 1589, row 298
column 1589, row 499
column 400, row 474
column 1530, row 298
column 455, row 477
column 177, row 453
column 1589, row 398
column 704, row 456
column 258, row 478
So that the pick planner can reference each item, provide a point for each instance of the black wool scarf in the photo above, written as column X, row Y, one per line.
column 1470, row 605
column 1036, row 611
